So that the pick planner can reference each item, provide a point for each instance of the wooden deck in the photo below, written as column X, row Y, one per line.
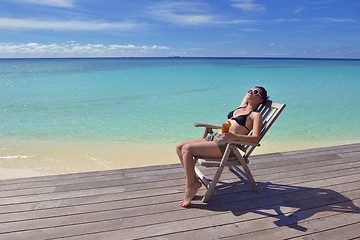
column 310, row 194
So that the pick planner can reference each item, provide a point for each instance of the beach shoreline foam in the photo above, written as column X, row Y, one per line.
column 22, row 158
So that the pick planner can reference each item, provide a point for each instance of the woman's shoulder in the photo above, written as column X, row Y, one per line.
column 256, row 115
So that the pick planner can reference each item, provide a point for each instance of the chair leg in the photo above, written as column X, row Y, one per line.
column 213, row 184
column 202, row 177
column 246, row 169
column 216, row 178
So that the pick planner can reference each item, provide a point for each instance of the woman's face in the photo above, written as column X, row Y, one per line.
column 254, row 95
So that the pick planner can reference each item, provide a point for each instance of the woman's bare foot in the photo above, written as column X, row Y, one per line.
column 190, row 194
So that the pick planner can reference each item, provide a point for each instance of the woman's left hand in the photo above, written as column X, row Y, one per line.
column 229, row 136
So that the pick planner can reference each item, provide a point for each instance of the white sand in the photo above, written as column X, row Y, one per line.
column 20, row 158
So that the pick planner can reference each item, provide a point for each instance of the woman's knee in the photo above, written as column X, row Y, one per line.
column 186, row 148
column 179, row 147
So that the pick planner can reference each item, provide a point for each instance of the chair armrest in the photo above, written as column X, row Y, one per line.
column 208, row 128
column 211, row 126
column 244, row 143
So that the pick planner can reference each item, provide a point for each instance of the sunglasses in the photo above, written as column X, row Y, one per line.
column 255, row 92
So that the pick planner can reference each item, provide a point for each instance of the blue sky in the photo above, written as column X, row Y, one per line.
column 193, row 28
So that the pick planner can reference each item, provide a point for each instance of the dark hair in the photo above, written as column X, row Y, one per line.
column 263, row 93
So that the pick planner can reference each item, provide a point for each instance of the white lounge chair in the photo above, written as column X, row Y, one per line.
column 270, row 111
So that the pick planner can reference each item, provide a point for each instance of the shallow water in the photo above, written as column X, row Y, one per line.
column 158, row 99
column 75, row 115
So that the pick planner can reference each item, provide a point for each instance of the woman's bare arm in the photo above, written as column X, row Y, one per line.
column 253, row 138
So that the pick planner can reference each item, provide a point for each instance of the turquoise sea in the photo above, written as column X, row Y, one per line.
column 156, row 100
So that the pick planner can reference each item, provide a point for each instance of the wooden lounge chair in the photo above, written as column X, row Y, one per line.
column 270, row 111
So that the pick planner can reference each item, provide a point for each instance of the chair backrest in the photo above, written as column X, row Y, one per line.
column 270, row 111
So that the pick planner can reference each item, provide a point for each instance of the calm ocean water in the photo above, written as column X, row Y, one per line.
column 158, row 99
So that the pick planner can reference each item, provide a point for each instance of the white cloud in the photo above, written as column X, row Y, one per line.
column 184, row 13
column 187, row 13
column 252, row 30
column 53, row 3
column 66, row 25
column 333, row 20
column 299, row 10
column 320, row 19
column 73, row 49
column 285, row 20
column 247, row 5
column 274, row 45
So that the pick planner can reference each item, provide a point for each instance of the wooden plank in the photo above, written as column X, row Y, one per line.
column 237, row 207
column 97, row 176
column 245, row 222
column 151, row 208
column 337, row 149
column 126, row 173
column 114, row 204
column 310, row 226
column 347, row 232
column 155, row 180
column 172, row 213
column 142, row 203
column 115, row 190
column 85, row 194
column 113, row 180
column 256, row 226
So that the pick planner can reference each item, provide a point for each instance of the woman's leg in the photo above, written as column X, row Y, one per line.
column 181, row 145
column 204, row 149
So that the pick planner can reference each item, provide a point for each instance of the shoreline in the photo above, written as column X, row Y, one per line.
column 22, row 158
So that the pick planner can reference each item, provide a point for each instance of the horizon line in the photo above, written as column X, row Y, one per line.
column 181, row 57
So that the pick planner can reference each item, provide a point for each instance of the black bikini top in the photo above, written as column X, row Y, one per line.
column 239, row 119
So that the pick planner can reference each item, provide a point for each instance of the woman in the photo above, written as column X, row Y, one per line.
column 243, row 120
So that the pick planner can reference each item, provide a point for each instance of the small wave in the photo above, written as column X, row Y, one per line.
column 101, row 162
column 15, row 157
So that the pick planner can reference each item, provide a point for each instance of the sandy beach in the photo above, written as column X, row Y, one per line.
column 20, row 158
